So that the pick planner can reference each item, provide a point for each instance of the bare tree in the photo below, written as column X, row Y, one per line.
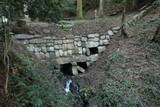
column 101, row 7
column 79, row 9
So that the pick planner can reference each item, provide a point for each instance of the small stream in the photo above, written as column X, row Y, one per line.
column 70, row 86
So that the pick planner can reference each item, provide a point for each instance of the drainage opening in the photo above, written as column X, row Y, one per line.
column 66, row 69
column 93, row 50
column 82, row 64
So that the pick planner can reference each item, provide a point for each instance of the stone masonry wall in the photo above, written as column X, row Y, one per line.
column 71, row 49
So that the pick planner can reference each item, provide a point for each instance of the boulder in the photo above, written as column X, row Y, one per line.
column 110, row 32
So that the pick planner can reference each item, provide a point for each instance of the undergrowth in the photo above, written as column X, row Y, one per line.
column 28, row 89
column 131, row 86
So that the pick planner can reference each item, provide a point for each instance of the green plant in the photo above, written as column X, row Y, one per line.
column 116, row 94
column 154, row 50
column 86, row 93
column 27, row 88
column 116, row 57
column 46, row 10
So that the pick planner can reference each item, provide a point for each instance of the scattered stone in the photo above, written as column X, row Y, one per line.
column 80, row 69
column 116, row 28
column 110, row 32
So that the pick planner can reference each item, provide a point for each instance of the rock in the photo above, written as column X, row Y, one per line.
column 49, row 44
column 116, row 28
column 80, row 69
column 24, row 36
column 80, row 50
column 57, row 46
column 93, row 35
column 88, row 52
column 84, row 39
column 92, row 44
column 93, row 58
column 88, row 64
column 78, row 43
column 57, row 42
column 105, row 42
column 110, row 32
column 65, row 53
column 107, row 37
column 77, row 38
column 47, row 55
column 63, row 60
column 61, row 53
column 57, row 53
column 46, row 30
column 101, row 49
column 103, row 37
column 25, row 42
column 47, row 37
column 70, row 52
column 93, row 39
column 44, row 49
column 70, row 46
column 84, row 50
column 74, row 70
column 50, row 49
column 115, row 31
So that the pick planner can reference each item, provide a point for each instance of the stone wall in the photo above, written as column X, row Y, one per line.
column 78, row 51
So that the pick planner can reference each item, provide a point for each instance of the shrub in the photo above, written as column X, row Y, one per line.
column 28, row 89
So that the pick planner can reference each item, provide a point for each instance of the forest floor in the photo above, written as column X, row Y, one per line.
column 135, row 59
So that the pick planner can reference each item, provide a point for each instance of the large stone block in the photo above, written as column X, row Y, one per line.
column 91, row 44
column 49, row 44
column 80, row 69
column 84, row 39
column 80, row 50
column 95, row 39
column 44, row 49
column 57, row 53
column 102, row 37
column 69, row 52
column 116, row 28
column 93, row 58
column 93, row 35
column 50, row 49
column 61, row 53
column 104, row 42
column 58, row 42
column 110, row 32
column 63, row 60
column 101, row 49
column 74, row 70
column 25, row 36
column 78, row 43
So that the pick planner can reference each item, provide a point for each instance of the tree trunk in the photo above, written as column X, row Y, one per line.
column 79, row 9
column 101, row 8
column 156, row 37
column 123, row 32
